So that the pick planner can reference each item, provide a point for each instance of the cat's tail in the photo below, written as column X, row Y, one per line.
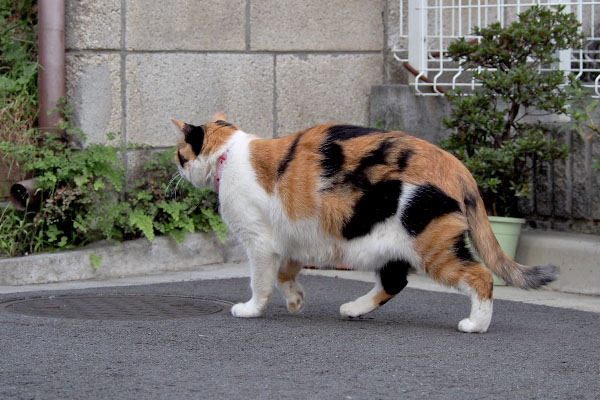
column 489, row 250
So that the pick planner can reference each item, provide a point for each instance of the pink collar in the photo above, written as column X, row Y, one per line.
column 220, row 165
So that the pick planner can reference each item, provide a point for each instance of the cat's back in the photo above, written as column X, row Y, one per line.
column 346, row 158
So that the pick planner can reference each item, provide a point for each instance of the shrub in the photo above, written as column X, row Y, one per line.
column 497, row 131
column 18, row 81
column 84, row 199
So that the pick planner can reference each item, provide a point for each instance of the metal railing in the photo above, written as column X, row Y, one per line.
column 427, row 27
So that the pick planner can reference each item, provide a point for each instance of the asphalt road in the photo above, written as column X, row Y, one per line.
column 409, row 348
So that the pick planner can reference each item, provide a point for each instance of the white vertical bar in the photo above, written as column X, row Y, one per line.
column 485, row 10
column 500, row 13
column 417, row 40
column 564, row 56
column 460, row 18
column 441, row 47
column 400, row 24
column 470, row 23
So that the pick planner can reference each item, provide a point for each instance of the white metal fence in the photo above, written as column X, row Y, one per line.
column 427, row 27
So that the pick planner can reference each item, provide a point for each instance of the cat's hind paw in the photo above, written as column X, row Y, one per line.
column 294, row 295
column 354, row 309
column 245, row 310
column 295, row 303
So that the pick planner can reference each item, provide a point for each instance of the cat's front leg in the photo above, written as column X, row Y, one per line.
column 289, row 287
column 263, row 269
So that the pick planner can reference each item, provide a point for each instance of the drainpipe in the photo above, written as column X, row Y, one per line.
column 51, row 50
column 51, row 86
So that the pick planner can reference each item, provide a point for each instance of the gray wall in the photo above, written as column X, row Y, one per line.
column 272, row 66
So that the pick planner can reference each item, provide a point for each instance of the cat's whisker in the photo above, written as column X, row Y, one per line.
column 175, row 176
column 177, row 186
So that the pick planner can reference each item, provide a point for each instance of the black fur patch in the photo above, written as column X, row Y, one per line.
column 378, row 202
column 428, row 203
column 403, row 159
column 220, row 122
column 333, row 157
column 289, row 156
column 462, row 251
column 347, row 132
column 471, row 201
column 358, row 177
column 393, row 276
column 194, row 135
column 181, row 158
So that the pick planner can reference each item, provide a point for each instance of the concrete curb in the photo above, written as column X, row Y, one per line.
column 577, row 255
column 131, row 258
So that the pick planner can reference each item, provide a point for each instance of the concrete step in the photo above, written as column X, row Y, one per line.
column 577, row 255
column 130, row 258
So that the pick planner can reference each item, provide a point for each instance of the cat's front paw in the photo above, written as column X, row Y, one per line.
column 245, row 310
column 467, row 325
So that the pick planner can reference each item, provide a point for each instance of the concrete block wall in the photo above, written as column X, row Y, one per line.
column 273, row 67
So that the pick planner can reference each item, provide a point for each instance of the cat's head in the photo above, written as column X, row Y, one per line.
column 200, row 147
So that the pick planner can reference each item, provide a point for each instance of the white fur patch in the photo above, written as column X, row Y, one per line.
column 481, row 312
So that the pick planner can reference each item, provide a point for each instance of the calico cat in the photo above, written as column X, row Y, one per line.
column 354, row 196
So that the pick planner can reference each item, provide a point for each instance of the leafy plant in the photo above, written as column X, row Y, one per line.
column 84, row 199
column 584, row 114
column 498, row 133
column 77, row 189
column 18, row 80
column 175, row 209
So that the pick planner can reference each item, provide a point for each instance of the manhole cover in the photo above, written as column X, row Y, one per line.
column 116, row 307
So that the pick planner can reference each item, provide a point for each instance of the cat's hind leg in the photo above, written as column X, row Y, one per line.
column 447, row 259
column 390, row 280
column 263, row 268
column 289, row 287
column 478, row 284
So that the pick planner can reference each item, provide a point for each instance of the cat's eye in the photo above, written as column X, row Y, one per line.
column 181, row 158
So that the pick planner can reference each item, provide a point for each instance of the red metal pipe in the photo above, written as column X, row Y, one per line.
column 51, row 50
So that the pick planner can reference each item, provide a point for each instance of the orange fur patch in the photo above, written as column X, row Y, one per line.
column 265, row 157
column 186, row 152
column 430, row 164
column 288, row 271
column 435, row 246
column 298, row 186
column 337, row 209
column 215, row 136
column 381, row 298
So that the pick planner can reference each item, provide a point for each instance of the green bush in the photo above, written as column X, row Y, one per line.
column 84, row 199
column 497, row 132
column 18, row 80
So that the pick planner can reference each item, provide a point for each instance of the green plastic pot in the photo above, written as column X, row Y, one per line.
column 507, row 231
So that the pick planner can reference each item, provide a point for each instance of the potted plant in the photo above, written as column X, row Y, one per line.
column 501, row 130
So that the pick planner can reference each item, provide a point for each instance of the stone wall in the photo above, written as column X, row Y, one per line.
column 273, row 67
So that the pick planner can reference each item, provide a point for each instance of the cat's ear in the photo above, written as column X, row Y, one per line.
column 179, row 126
column 219, row 117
